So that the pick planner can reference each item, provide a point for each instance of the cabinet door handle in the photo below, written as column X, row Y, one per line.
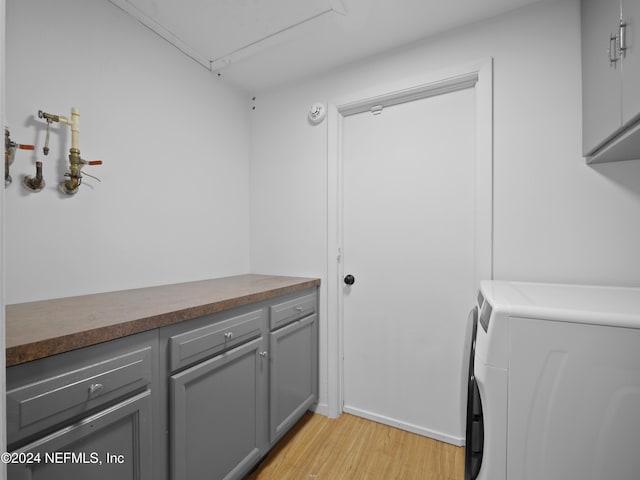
column 228, row 335
column 613, row 50
column 95, row 388
column 623, row 38
column 264, row 354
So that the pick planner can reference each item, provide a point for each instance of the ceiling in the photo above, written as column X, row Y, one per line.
column 258, row 44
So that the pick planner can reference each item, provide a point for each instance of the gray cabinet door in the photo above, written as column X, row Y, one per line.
column 293, row 375
column 218, row 415
column 112, row 444
column 601, row 81
column 631, row 62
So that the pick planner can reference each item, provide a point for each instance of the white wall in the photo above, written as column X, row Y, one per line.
column 3, row 410
column 555, row 218
column 173, row 204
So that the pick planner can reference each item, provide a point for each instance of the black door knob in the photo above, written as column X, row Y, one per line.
column 349, row 279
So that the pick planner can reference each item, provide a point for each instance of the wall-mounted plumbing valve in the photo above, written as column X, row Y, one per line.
column 10, row 148
column 70, row 186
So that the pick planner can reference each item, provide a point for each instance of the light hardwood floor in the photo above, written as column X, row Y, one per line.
column 352, row 448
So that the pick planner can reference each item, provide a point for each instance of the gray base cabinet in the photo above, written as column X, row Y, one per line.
column 294, row 369
column 85, row 414
column 239, row 380
column 113, row 444
column 203, row 399
column 218, row 413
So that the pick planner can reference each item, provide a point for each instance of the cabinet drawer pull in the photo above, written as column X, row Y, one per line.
column 298, row 309
column 228, row 335
column 95, row 388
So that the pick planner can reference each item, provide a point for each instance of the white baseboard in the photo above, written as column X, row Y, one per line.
column 425, row 432
column 320, row 408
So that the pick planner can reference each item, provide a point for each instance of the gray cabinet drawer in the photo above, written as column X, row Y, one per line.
column 194, row 345
column 289, row 311
column 53, row 400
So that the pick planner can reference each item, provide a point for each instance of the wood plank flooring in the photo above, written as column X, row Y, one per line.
column 352, row 448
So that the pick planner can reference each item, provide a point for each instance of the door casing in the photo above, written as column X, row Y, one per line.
column 478, row 75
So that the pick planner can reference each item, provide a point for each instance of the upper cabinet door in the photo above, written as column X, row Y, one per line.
column 631, row 61
column 601, row 82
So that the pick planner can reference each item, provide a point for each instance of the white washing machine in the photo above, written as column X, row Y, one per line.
column 554, row 383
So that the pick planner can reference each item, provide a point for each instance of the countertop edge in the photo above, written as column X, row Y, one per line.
column 29, row 351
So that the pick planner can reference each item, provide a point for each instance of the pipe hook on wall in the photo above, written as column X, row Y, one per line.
column 34, row 184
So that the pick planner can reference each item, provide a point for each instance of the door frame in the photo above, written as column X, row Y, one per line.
column 478, row 75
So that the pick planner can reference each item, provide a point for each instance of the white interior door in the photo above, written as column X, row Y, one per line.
column 408, row 230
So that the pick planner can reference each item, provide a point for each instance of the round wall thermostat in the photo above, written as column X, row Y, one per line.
column 317, row 112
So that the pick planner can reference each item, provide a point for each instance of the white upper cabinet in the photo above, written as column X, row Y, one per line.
column 631, row 61
column 610, row 80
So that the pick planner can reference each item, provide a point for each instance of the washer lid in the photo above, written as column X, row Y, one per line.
column 597, row 305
